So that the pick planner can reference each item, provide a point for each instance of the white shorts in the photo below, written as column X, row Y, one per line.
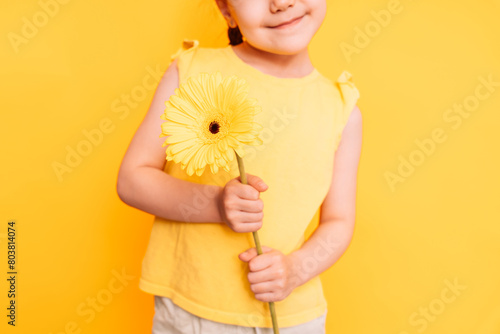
column 172, row 319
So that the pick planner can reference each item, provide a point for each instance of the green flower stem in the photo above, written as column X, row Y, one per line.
column 243, row 177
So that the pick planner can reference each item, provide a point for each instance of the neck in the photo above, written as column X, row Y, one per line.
column 280, row 65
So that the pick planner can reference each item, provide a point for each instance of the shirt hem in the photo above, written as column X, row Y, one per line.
column 239, row 319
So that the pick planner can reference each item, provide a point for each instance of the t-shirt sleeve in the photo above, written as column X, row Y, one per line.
column 184, row 56
column 349, row 95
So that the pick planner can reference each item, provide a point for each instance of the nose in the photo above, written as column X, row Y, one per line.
column 277, row 5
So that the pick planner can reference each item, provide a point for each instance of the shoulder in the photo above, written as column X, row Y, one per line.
column 343, row 86
column 186, row 54
column 192, row 57
column 349, row 95
column 187, row 46
column 343, row 83
column 346, row 86
column 343, row 94
column 192, row 46
column 355, row 115
column 326, row 81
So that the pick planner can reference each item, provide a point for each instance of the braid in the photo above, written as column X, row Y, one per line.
column 234, row 35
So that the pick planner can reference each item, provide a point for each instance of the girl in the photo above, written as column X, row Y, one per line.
column 201, row 264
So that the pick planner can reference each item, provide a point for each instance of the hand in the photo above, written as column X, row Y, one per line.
column 272, row 274
column 240, row 206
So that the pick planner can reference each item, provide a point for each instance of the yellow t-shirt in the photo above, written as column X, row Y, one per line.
column 197, row 264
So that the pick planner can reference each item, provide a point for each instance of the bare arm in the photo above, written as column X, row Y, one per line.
column 141, row 181
column 334, row 232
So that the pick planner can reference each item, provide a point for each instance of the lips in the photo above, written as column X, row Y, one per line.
column 287, row 22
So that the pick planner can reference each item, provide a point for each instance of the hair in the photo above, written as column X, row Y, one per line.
column 234, row 35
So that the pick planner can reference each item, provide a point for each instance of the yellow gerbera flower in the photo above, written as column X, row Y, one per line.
column 209, row 118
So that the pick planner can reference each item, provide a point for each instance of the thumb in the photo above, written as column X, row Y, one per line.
column 250, row 253
column 256, row 182
column 247, row 255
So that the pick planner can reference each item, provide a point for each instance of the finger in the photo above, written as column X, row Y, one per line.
column 261, row 262
column 261, row 288
column 248, row 250
column 256, row 182
column 250, row 217
column 266, row 249
column 250, row 253
column 250, row 205
column 266, row 297
column 246, row 191
column 266, row 275
column 246, row 227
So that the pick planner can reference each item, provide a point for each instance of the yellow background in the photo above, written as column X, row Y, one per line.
column 411, row 240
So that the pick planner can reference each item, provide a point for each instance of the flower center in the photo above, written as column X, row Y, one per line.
column 214, row 127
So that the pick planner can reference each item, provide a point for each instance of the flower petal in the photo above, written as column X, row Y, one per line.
column 232, row 142
column 214, row 168
column 239, row 150
column 196, row 96
column 180, row 116
column 211, row 154
column 221, row 162
column 177, row 138
column 241, row 127
column 189, row 154
column 245, row 137
column 222, row 145
column 170, row 128
column 200, row 171
column 200, row 159
column 229, row 154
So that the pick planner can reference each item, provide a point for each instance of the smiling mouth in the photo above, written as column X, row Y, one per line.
column 286, row 24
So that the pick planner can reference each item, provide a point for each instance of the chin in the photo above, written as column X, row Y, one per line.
column 289, row 47
column 286, row 46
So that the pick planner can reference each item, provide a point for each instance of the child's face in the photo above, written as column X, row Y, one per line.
column 257, row 19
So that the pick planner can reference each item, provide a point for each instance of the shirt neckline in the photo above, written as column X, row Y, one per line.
column 268, row 77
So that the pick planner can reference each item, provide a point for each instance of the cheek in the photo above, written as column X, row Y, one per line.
column 248, row 26
column 317, row 16
column 250, row 16
column 318, row 10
